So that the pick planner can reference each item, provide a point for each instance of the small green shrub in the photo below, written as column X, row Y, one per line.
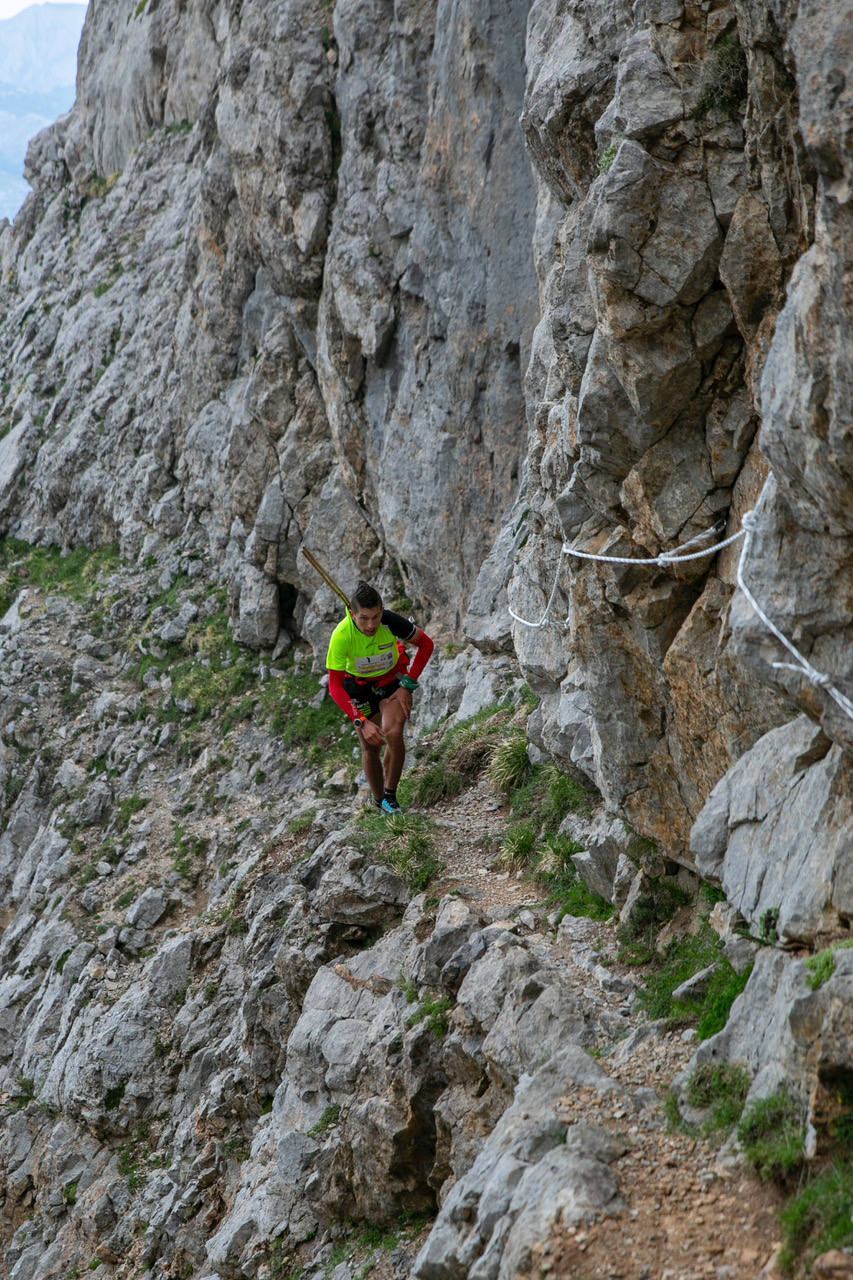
column 675, row 1121
column 26, row 1091
column 821, row 966
column 433, row 1011
column 567, row 889
column 654, row 908
column 409, row 989
column 767, row 927
column 724, row 79
column 682, row 959
column 555, row 860
column 188, row 847
column 723, row 990
column 608, row 155
column 327, row 1121
column 721, row 1089
column 128, row 1166
column 298, row 826
column 114, row 1095
column 818, row 1219
column 527, row 698
column 415, row 861
column 771, row 1135
column 126, row 810
column 563, row 795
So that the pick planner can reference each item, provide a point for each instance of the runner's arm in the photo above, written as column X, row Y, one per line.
column 424, row 646
column 340, row 695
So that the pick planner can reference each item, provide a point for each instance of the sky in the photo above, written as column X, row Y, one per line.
column 8, row 8
column 38, row 59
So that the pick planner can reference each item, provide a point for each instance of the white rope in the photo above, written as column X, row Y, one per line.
column 801, row 664
column 541, row 623
column 664, row 559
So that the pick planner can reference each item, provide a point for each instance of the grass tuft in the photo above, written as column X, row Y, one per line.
column 435, row 1012
column 771, row 1135
column 404, row 841
column 682, row 959
column 654, row 908
column 518, row 846
column 510, row 767
column 327, row 1121
column 719, row 1088
column 821, row 966
column 435, row 783
column 818, row 1219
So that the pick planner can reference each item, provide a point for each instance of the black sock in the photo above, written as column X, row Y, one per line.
column 389, row 794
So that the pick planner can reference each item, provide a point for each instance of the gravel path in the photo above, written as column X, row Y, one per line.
column 690, row 1214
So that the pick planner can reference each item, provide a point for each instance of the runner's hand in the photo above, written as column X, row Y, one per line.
column 404, row 698
column 372, row 734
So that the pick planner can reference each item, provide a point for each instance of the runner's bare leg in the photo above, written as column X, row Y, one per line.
column 393, row 722
column 371, row 763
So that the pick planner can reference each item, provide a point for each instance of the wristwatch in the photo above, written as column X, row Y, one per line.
column 359, row 721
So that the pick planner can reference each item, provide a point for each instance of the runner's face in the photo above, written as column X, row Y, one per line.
column 368, row 620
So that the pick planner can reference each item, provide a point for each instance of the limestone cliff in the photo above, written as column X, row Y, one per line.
column 449, row 292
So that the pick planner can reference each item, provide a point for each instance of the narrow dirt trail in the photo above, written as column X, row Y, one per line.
column 689, row 1215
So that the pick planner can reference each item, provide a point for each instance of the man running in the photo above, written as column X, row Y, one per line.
column 370, row 680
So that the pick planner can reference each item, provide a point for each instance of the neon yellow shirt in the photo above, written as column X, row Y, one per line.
column 368, row 657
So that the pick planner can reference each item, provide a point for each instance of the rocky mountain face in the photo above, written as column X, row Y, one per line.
column 451, row 293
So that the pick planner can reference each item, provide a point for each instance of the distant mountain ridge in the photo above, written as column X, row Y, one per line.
column 38, row 72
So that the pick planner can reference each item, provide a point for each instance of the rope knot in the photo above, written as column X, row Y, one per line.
column 749, row 521
column 822, row 679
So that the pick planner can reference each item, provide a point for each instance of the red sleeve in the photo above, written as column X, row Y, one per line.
column 424, row 647
column 340, row 695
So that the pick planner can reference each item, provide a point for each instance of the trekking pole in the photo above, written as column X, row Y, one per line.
column 325, row 575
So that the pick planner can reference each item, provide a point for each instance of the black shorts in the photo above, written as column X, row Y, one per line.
column 367, row 697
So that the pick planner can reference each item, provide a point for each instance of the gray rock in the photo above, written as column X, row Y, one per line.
column 474, row 1232
column 697, row 985
column 454, row 924
column 148, row 909
column 70, row 776
column 171, row 969
column 355, row 891
column 86, row 673
column 740, row 952
column 765, row 834
column 259, row 616
column 647, row 99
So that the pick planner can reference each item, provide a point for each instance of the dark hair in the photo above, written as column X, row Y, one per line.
column 366, row 597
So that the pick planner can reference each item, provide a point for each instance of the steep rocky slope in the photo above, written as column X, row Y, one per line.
column 449, row 292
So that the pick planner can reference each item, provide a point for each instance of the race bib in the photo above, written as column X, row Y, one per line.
column 375, row 664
